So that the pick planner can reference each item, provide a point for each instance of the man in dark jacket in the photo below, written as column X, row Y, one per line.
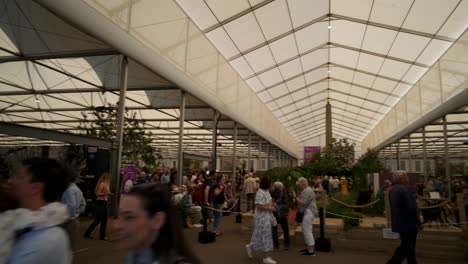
column 405, row 218
column 280, row 199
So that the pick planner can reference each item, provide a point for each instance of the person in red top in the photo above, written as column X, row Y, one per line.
column 102, row 192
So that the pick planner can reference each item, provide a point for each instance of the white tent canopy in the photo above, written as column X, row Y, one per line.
column 270, row 65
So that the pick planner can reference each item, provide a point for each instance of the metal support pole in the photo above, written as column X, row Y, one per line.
column 446, row 155
column 268, row 156
column 424, row 155
column 410, row 169
column 259, row 158
column 234, row 153
column 248, row 152
column 398, row 155
column 281, row 159
column 180, row 157
column 214, row 141
column 117, row 155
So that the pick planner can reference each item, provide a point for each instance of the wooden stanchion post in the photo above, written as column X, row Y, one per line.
column 387, row 210
column 461, row 211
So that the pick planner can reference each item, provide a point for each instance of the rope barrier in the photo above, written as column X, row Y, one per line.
column 343, row 216
column 355, row 206
column 435, row 206
column 225, row 211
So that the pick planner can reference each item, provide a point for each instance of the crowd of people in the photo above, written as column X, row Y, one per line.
column 41, row 203
column 40, row 208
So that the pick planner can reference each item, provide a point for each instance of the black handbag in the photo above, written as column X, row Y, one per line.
column 300, row 215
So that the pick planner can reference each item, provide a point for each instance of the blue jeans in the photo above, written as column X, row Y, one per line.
column 217, row 216
column 283, row 221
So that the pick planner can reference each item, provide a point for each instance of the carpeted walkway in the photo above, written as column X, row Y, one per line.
column 229, row 249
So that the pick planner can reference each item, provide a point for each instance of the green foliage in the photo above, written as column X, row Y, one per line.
column 367, row 163
column 101, row 122
column 336, row 159
column 376, row 209
column 349, row 223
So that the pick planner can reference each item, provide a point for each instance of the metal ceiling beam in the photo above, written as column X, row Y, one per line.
column 380, row 55
column 34, row 110
column 359, row 97
column 236, row 16
column 175, row 128
column 298, row 101
column 46, row 134
column 322, row 46
column 308, row 130
column 452, row 104
column 287, row 33
column 298, row 90
column 65, row 121
column 299, row 140
column 323, row 65
column 398, row 29
column 365, row 87
column 58, row 55
column 370, row 73
column 89, row 90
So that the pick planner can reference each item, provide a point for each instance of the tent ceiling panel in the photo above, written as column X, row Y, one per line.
column 438, row 11
column 283, row 49
column 26, row 30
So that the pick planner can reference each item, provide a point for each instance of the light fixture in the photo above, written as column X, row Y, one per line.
column 37, row 101
column 328, row 71
column 329, row 26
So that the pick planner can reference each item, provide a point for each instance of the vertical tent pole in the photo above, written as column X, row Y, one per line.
column 259, row 158
column 234, row 153
column 398, row 155
column 268, row 156
column 214, row 140
column 118, row 145
column 180, row 154
column 410, row 168
column 424, row 154
column 248, row 151
column 446, row 155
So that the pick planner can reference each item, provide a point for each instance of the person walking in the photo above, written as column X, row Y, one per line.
column 37, row 236
column 263, row 217
column 308, row 207
column 405, row 218
column 218, row 201
column 148, row 227
column 249, row 190
column 102, row 192
column 76, row 204
column 280, row 198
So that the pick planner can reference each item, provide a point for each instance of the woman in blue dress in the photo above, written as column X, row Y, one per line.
column 262, row 236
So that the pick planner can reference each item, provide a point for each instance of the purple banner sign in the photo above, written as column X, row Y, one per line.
column 310, row 152
column 129, row 172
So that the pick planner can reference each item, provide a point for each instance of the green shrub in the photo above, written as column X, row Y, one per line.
column 349, row 223
column 376, row 209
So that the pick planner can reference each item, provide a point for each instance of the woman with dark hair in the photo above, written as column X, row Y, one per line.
column 263, row 217
column 149, row 227
column 218, row 201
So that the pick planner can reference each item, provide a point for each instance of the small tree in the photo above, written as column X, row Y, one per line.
column 335, row 159
column 102, row 122
column 367, row 163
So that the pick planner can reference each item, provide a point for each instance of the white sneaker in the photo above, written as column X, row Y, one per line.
column 268, row 260
column 248, row 248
